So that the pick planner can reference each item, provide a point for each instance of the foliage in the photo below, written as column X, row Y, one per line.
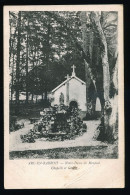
column 56, row 123
column 45, row 47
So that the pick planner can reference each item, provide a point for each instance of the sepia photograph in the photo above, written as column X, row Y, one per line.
column 63, row 84
column 64, row 88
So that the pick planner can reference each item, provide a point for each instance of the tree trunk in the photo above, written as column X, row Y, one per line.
column 32, row 97
column 18, row 62
column 12, row 84
column 27, row 68
column 106, row 134
column 36, row 99
column 45, row 94
column 42, row 96
column 48, row 46
column 86, row 43
column 34, row 54
column 10, row 47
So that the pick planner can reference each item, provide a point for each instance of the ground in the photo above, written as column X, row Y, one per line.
column 81, row 147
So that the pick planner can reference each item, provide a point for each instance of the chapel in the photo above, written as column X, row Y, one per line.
column 71, row 92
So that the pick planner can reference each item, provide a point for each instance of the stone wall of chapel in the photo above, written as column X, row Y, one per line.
column 77, row 92
column 57, row 93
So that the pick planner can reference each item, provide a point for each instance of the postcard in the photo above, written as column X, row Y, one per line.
column 63, row 97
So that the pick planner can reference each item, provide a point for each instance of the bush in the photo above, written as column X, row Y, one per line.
column 57, row 123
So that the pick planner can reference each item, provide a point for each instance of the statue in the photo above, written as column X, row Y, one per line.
column 61, row 99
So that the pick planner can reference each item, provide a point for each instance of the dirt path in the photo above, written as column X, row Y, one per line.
column 85, row 140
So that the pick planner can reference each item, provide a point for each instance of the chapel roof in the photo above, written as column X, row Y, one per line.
column 68, row 79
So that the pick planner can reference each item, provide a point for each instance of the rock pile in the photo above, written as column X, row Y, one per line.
column 56, row 123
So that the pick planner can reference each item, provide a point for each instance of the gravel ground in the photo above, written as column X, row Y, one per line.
column 81, row 147
column 85, row 140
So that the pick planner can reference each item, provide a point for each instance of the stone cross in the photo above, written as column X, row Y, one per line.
column 67, row 90
column 67, row 77
column 73, row 67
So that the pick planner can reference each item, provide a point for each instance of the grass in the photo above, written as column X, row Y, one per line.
column 81, row 152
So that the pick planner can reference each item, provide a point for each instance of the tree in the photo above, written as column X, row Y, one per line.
column 95, row 16
column 105, row 27
column 45, row 44
column 12, row 49
column 18, row 61
column 87, row 35
column 104, row 55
